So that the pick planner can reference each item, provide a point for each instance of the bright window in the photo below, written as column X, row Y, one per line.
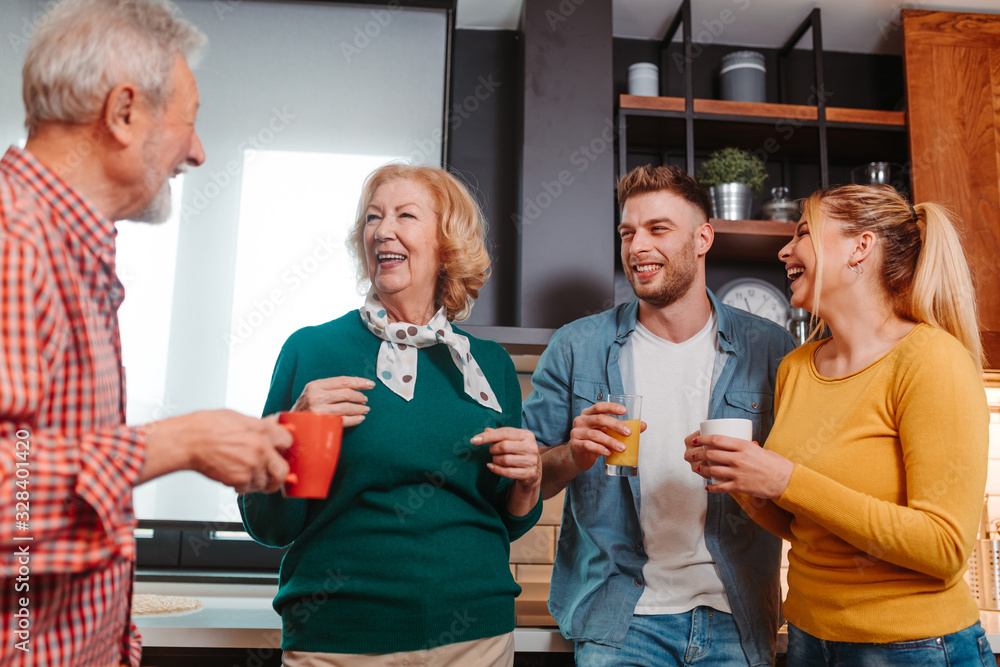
column 290, row 275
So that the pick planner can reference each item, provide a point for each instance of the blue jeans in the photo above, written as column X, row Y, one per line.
column 703, row 636
column 965, row 648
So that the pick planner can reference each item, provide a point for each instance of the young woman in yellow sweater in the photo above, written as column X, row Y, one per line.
column 876, row 465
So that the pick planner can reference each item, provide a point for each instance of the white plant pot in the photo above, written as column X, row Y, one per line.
column 731, row 201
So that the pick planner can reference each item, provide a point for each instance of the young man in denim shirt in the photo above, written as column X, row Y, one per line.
column 654, row 569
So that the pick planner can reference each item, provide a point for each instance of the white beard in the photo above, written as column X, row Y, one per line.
column 158, row 210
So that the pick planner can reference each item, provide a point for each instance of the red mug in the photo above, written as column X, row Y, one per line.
column 312, row 458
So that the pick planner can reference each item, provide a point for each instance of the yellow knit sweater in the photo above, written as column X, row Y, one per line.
column 884, row 501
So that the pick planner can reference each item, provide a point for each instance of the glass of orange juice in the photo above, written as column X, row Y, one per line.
column 626, row 463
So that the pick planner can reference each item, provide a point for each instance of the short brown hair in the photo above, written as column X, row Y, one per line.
column 465, row 262
column 675, row 180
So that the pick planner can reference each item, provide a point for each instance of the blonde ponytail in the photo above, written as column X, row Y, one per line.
column 942, row 294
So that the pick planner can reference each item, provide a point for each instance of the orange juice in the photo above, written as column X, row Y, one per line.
column 630, row 457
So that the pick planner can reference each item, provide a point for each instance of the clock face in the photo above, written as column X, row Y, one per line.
column 757, row 297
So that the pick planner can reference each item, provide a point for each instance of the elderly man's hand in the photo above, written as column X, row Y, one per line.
column 336, row 396
column 239, row 451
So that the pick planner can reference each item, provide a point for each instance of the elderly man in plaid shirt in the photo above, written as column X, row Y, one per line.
column 111, row 105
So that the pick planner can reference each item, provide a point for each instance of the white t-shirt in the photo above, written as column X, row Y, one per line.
column 675, row 382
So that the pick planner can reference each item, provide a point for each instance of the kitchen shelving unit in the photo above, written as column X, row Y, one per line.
column 822, row 135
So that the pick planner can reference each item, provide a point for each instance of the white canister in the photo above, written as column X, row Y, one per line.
column 644, row 79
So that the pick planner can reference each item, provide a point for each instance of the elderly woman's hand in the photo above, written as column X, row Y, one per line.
column 737, row 465
column 336, row 396
column 515, row 455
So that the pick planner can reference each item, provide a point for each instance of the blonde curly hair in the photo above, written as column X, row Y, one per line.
column 462, row 253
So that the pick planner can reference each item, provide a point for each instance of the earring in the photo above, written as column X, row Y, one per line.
column 857, row 268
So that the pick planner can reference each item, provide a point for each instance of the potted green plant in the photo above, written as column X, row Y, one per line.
column 733, row 177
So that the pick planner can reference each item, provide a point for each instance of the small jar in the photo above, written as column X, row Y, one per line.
column 781, row 208
column 644, row 79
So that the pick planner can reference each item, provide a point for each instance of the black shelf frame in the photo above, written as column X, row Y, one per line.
column 682, row 21
column 683, row 17
column 814, row 23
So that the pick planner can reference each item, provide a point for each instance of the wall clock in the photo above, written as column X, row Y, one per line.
column 758, row 297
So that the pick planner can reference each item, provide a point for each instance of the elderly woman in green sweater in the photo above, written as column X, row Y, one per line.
column 409, row 552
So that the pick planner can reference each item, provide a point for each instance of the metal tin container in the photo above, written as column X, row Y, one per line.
column 731, row 201
column 744, row 77
column 983, row 575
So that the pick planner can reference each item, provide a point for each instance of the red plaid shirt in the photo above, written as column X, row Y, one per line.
column 67, row 460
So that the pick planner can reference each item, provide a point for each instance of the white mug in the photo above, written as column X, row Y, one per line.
column 734, row 428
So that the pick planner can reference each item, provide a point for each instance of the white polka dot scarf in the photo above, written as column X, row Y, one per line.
column 397, row 356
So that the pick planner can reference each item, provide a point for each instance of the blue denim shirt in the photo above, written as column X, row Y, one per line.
column 597, row 577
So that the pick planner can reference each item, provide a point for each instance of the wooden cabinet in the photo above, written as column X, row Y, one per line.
column 953, row 93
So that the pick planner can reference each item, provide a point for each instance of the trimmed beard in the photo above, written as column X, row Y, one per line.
column 157, row 211
column 679, row 274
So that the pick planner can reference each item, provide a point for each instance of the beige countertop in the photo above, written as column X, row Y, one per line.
column 240, row 616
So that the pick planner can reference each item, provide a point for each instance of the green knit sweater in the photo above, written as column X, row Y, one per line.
column 411, row 548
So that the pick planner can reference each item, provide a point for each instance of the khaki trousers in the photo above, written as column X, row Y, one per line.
column 490, row 652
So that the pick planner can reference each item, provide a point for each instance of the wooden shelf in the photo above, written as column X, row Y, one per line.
column 705, row 109
column 754, row 240
column 651, row 103
column 754, row 109
column 655, row 124
column 866, row 116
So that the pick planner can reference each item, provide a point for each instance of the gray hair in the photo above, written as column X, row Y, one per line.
column 82, row 49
